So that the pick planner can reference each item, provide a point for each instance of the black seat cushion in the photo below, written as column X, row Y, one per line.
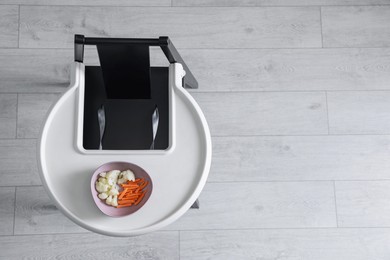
column 128, row 121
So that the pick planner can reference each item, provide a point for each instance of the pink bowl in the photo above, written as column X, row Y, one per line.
column 119, row 212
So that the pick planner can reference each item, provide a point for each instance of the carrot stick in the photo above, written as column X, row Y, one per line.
column 141, row 181
column 123, row 193
column 125, row 205
column 130, row 186
column 125, row 202
column 132, row 193
column 132, row 196
column 143, row 185
column 140, row 198
column 136, row 181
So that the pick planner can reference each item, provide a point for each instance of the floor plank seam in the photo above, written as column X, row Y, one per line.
column 24, row 138
column 280, row 228
column 230, row 48
column 321, row 27
column 205, row 230
column 179, row 235
column 34, row 93
column 299, row 135
column 94, row 5
column 293, row 181
column 275, row 228
column 86, row 232
column 327, row 111
column 220, row 91
column 19, row 26
column 23, row 186
column 281, row 91
column 335, row 203
column 17, row 116
column 13, row 224
column 249, row 136
column 205, row 6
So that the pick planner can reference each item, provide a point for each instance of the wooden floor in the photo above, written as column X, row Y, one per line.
column 297, row 96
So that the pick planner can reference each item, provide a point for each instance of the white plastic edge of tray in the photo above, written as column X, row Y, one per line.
column 176, row 72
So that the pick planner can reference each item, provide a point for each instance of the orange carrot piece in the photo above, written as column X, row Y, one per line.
column 133, row 192
column 125, row 205
column 129, row 185
column 141, row 181
column 123, row 193
column 135, row 182
column 131, row 196
column 127, row 194
column 121, row 202
column 143, row 185
column 140, row 198
column 126, row 199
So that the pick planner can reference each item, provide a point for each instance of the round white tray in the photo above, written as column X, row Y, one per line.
column 178, row 173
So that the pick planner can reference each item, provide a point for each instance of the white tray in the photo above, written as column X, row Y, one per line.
column 178, row 173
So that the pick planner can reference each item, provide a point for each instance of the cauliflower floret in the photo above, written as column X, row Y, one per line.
column 113, row 174
column 114, row 201
column 101, row 187
column 126, row 176
column 112, row 177
column 103, row 180
column 113, row 191
column 103, row 196
column 107, row 185
column 109, row 200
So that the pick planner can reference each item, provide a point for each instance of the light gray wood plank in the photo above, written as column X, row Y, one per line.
column 322, row 2
column 37, row 214
column 9, row 25
column 363, row 203
column 8, row 103
column 49, row 73
column 158, row 245
column 242, row 205
column 7, row 195
column 91, row 2
column 18, row 163
column 214, row 3
column 300, row 158
column 353, row 26
column 32, row 110
column 277, row 2
column 254, row 204
column 289, row 69
column 218, row 70
column 42, row 70
column 54, row 27
column 254, row 113
column 360, row 112
column 319, row 244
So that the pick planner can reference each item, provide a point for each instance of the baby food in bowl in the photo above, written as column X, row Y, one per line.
column 120, row 188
